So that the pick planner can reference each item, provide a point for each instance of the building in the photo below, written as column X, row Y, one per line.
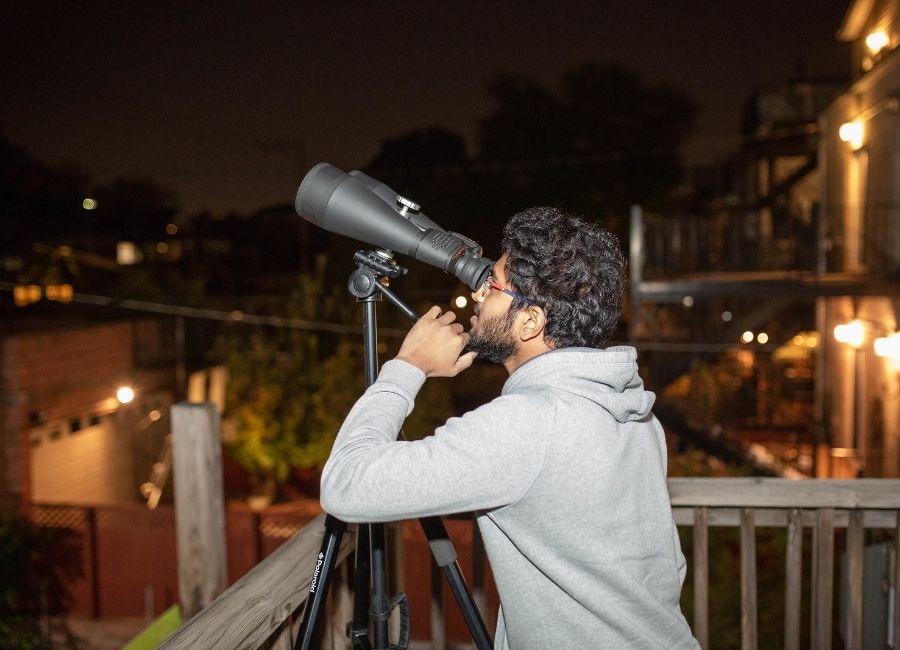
column 859, row 154
column 66, row 434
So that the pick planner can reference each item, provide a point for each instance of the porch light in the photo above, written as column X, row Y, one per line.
column 125, row 394
column 888, row 346
column 852, row 333
column 852, row 133
column 877, row 41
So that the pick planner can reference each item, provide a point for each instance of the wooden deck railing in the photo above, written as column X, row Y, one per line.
column 821, row 505
column 257, row 609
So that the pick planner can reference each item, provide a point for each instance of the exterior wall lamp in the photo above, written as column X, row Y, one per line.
column 877, row 41
column 852, row 333
column 852, row 133
column 124, row 394
column 888, row 347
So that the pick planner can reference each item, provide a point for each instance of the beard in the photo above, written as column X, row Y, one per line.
column 495, row 342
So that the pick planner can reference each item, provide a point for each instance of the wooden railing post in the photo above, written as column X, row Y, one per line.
column 199, row 505
column 748, row 580
column 855, row 579
column 701, row 576
column 793, row 573
column 896, row 612
column 823, row 576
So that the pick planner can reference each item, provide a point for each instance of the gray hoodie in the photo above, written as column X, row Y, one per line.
column 567, row 470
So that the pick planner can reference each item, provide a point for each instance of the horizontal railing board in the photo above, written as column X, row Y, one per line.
column 778, row 517
column 246, row 614
column 785, row 493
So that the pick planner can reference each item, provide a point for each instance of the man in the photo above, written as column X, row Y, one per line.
column 567, row 468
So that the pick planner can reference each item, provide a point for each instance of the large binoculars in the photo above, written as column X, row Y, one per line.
column 360, row 207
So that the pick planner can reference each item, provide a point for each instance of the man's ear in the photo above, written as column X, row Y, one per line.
column 532, row 321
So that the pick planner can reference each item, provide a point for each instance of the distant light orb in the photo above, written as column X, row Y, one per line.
column 762, row 338
column 171, row 229
column 162, row 247
column 89, row 204
column 125, row 394
column 460, row 301
column 747, row 336
column 727, row 316
column 688, row 301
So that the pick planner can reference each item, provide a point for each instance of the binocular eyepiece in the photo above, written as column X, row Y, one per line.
column 360, row 207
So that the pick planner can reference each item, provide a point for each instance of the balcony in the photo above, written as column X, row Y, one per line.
column 827, row 531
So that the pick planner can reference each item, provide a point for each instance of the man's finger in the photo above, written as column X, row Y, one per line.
column 464, row 362
column 448, row 317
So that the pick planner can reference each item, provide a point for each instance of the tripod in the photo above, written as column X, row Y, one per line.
column 368, row 283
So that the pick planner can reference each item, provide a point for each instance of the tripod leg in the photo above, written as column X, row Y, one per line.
column 358, row 628
column 321, row 580
column 445, row 557
column 380, row 611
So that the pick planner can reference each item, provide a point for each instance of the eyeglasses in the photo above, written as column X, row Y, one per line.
column 492, row 283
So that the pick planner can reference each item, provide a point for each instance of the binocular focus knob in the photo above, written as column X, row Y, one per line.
column 407, row 204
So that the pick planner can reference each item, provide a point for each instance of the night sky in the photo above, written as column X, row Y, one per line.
column 193, row 93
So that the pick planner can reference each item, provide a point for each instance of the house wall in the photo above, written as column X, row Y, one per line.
column 861, row 208
column 64, row 436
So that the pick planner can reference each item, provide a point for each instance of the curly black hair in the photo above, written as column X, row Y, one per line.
column 572, row 268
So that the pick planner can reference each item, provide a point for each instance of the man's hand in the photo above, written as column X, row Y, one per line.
column 434, row 343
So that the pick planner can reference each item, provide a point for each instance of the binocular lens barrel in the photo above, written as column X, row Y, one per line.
column 358, row 206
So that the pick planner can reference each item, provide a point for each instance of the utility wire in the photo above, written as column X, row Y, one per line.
column 234, row 316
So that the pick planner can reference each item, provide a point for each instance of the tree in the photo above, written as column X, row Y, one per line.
column 604, row 140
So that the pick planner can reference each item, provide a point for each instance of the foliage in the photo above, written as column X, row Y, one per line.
column 603, row 140
column 288, row 387
column 36, row 566
column 599, row 141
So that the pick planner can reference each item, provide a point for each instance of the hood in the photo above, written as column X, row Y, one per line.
column 607, row 377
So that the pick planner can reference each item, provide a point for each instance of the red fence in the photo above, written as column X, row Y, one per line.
column 129, row 564
column 128, row 558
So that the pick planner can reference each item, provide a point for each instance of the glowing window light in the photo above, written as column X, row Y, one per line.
column 125, row 394
column 460, row 302
column 877, row 41
column 852, row 133
column 888, row 346
column 852, row 333
column 747, row 336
